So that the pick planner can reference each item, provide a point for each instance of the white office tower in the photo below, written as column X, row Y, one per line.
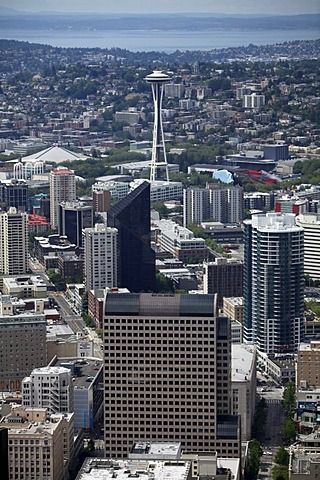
column 311, row 226
column 195, row 205
column 62, row 189
column 253, row 101
column 215, row 202
column 273, row 282
column 158, row 80
column 100, row 256
column 49, row 387
column 13, row 242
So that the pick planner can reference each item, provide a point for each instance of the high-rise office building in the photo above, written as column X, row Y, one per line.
column 41, row 446
column 273, row 282
column 49, row 387
column 100, row 256
column 311, row 226
column 62, row 189
column 14, row 193
column 73, row 217
column 215, row 202
column 22, row 346
column 13, row 242
column 223, row 277
column 167, row 371
column 136, row 259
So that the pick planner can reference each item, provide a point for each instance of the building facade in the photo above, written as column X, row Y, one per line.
column 13, row 242
column 215, row 202
column 62, row 189
column 100, row 256
column 49, row 387
column 73, row 217
column 311, row 226
column 167, row 373
column 273, row 282
column 223, row 277
column 16, row 331
column 136, row 259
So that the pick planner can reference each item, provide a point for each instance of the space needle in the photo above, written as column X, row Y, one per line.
column 157, row 79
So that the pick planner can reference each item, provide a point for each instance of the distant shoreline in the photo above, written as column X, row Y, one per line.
column 157, row 40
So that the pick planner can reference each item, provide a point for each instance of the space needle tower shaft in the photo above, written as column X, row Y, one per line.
column 157, row 79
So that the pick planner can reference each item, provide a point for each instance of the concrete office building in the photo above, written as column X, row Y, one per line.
column 258, row 201
column 62, row 189
column 273, row 282
column 180, row 241
column 100, row 256
column 276, row 152
column 244, row 386
column 253, row 100
column 22, row 345
column 233, row 307
column 73, row 217
column 308, row 365
column 311, row 226
column 220, row 204
column 223, row 277
column 41, row 446
column 49, row 387
column 167, row 374
column 13, row 242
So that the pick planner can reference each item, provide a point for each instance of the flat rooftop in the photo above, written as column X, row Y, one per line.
column 83, row 371
column 103, row 469
column 243, row 356
column 159, row 450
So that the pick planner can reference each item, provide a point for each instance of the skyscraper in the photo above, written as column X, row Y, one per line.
column 311, row 226
column 273, row 282
column 223, row 277
column 13, row 242
column 136, row 259
column 167, row 373
column 158, row 79
column 73, row 217
column 22, row 346
column 62, row 189
column 100, row 256
column 215, row 202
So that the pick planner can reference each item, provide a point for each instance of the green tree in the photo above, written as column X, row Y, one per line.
column 163, row 284
column 280, row 472
column 160, row 208
column 289, row 430
column 255, row 453
column 282, row 457
column 289, row 398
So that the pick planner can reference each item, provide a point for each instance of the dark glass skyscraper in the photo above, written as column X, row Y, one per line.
column 73, row 217
column 136, row 259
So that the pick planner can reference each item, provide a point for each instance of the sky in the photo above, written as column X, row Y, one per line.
column 282, row 7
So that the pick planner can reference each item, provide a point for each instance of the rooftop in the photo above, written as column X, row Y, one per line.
column 83, row 371
column 104, row 469
column 243, row 361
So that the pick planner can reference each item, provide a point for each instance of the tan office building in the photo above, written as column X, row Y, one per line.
column 22, row 346
column 308, row 365
column 40, row 446
column 62, row 189
column 13, row 242
column 167, row 364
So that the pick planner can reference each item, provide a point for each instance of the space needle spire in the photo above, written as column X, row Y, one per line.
column 157, row 79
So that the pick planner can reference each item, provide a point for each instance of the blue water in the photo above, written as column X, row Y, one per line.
column 166, row 41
